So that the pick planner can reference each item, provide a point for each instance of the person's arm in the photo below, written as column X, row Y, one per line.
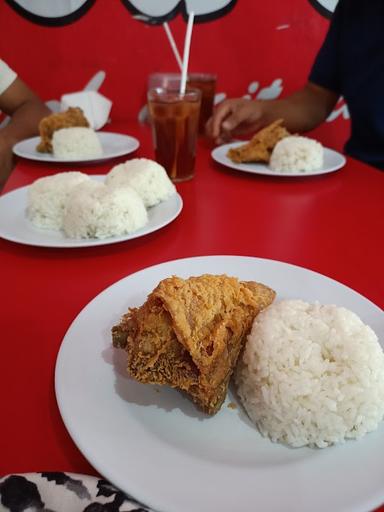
column 302, row 111
column 26, row 110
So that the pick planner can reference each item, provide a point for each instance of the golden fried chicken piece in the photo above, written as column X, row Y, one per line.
column 188, row 334
column 260, row 147
column 72, row 117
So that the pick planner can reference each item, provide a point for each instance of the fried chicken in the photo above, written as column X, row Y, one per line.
column 48, row 125
column 260, row 147
column 189, row 333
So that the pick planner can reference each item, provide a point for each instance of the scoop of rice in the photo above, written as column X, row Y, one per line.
column 311, row 374
column 47, row 198
column 76, row 142
column 147, row 177
column 297, row 154
column 96, row 211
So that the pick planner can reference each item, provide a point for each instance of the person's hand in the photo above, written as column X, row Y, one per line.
column 6, row 159
column 235, row 117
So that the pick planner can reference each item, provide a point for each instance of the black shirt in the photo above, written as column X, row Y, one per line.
column 351, row 63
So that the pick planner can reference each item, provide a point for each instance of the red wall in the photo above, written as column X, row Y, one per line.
column 256, row 42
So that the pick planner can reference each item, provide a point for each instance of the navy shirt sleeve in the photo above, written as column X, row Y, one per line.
column 325, row 70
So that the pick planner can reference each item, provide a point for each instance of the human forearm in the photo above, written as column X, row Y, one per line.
column 26, row 110
column 25, row 121
column 303, row 110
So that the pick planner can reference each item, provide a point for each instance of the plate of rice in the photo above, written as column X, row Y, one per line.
column 72, row 209
column 292, row 156
column 153, row 443
column 79, row 145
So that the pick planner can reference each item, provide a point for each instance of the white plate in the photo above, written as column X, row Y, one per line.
column 113, row 144
column 16, row 227
column 332, row 162
column 152, row 442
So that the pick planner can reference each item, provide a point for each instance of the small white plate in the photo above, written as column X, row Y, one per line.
column 151, row 441
column 113, row 144
column 16, row 227
column 333, row 161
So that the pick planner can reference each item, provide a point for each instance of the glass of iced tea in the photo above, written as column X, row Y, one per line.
column 206, row 83
column 175, row 120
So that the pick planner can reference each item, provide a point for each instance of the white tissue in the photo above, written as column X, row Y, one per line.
column 94, row 105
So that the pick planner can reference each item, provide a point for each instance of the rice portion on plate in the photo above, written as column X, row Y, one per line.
column 147, row 177
column 297, row 154
column 94, row 210
column 48, row 196
column 76, row 143
column 311, row 374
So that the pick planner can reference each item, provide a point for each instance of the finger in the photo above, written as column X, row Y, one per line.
column 219, row 114
column 238, row 115
column 223, row 138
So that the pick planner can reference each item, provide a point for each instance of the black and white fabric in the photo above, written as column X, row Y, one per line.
column 63, row 492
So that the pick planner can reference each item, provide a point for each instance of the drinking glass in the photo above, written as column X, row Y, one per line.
column 175, row 119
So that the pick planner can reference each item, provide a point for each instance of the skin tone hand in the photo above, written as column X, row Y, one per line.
column 234, row 117
column 302, row 111
column 26, row 110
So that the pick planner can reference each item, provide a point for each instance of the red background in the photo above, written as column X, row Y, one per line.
column 242, row 47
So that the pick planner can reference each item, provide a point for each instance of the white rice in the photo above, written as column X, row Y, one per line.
column 75, row 143
column 96, row 211
column 311, row 374
column 297, row 154
column 147, row 177
column 47, row 198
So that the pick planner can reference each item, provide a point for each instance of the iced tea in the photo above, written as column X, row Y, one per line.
column 206, row 83
column 175, row 119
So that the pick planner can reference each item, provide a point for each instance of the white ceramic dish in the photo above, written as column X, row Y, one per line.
column 16, row 227
column 152, row 442
column 333, row 161
column 113, row 144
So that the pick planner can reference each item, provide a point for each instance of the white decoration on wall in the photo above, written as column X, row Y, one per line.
column 341, row 109
column 219, row 97
column 330, row 5
column 252, row 87
column 158, row 9
column 272, row 91
column 50, row 8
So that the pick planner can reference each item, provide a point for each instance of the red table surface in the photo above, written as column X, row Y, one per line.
column 332, row 224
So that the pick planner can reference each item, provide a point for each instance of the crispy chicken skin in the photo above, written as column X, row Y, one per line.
column 48, row 125
column 260, row 147
column 189, row 333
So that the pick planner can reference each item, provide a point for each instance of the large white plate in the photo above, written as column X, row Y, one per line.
column 152, row 443
column 16, row 227
column 332, row 162
column 113, row 144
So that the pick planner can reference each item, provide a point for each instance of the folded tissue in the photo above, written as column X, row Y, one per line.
column 94, row 105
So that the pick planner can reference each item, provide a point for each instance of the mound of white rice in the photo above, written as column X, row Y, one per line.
column 311, row 374
column 147, row 177
column 76, row 142
column 47, row 198
column 94, row 210
column 297, row 154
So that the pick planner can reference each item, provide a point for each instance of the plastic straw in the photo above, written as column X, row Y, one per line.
column 187, row 45
column 173, row 44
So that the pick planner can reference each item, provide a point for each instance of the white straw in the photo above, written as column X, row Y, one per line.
column 173, row 44
column 187, row 45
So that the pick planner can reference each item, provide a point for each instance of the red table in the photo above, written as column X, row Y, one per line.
column 331, row 224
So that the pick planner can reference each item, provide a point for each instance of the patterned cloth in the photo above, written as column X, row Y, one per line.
column 63, row 492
